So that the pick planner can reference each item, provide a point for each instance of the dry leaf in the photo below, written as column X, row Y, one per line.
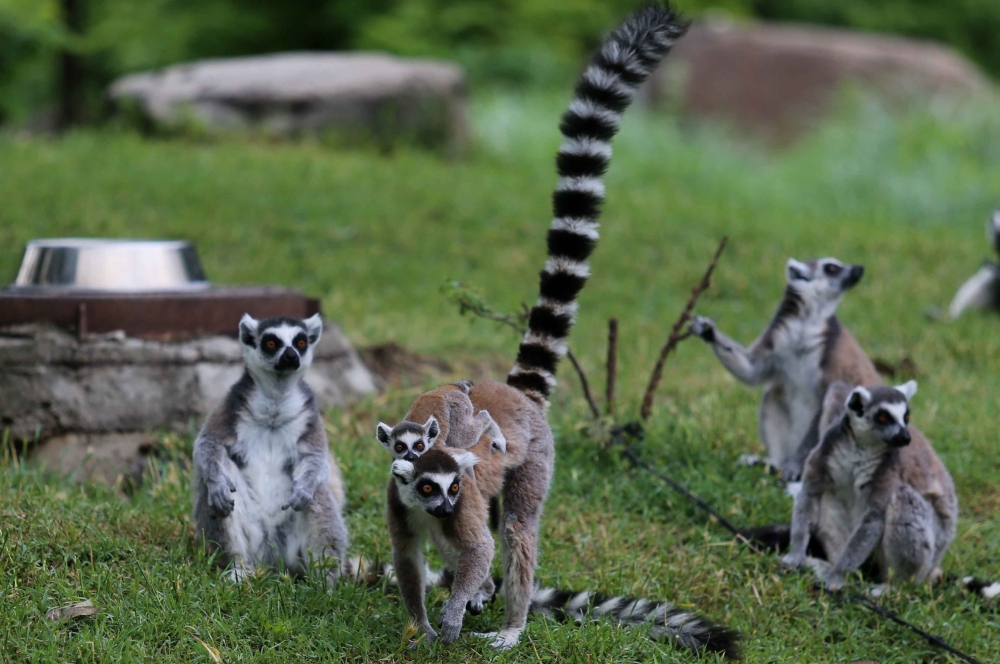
column 213, row 652
column 85, row 608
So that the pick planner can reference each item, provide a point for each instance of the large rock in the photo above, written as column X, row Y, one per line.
column 99, row 398
column 371, row 95
column 779, row 80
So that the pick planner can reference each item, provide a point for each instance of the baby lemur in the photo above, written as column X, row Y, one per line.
column 524, row 472
column 874, row 485
column 446, row 414
column 436, row 497
column 802, row 351
column 266, row 489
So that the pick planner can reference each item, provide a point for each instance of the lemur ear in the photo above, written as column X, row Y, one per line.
column 314, row 328
column 796, row 270
column 909, row 388
column 466, row 460
column 431, row 429
column 248, row 330
column 858, row 400
column 402, row 471
column 382, row 432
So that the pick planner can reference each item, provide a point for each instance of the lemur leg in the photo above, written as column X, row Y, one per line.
column 327, row 534
column 909, row 543
column 747, row 366
column 472, row 570
column 775, row 426
column 524, row 496
column 409, row 566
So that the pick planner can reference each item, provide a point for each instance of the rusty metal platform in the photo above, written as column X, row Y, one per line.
column 163, row 315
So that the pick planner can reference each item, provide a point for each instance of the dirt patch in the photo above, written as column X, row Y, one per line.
column 395, row 367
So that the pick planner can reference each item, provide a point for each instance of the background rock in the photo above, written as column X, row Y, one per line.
column 358, row 95
column 777, row 81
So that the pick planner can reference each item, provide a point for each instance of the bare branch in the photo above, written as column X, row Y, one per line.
column 676, row 336
column 612, row 365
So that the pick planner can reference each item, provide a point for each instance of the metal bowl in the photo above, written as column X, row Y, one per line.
column 110, row 265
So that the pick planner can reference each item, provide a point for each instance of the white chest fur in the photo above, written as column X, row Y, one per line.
column 843, row 506
column 267, row 436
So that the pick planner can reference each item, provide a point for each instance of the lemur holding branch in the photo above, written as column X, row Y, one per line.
column 267, row 491
column 443, row 494
column 802, row 351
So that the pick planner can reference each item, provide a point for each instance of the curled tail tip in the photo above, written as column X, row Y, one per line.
column 988, row 590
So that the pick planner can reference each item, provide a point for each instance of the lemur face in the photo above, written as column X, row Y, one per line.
column 433, row 481
column 408, row 440
column 883, row 412
column 279, row 345
column 822, row 280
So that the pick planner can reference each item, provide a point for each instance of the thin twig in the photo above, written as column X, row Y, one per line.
column 612, row 365
column 518, row 325
column 676, row 336
column 585, row 384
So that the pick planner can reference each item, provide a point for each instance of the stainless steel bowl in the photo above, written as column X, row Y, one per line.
column 110, row 265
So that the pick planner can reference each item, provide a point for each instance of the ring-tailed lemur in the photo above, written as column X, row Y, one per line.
column 605, row 90
column 982, row 290
column 267, row 491
column 802, row 351
column 445, row 413
column 874, row 485
column 435, row 497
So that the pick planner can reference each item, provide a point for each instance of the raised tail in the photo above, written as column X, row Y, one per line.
column 605, row 90
column 666, row 622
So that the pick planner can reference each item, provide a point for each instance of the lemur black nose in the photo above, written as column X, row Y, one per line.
column 409, row 456
column 901, row 439
column 857, row 271
column 289, row 361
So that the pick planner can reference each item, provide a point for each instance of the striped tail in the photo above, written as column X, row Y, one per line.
column 603, row 93
column 666, row 622
column 985, row 589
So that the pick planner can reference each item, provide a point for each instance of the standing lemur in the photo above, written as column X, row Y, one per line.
column 435, row 496
column 266, row 488
column 802, row 351
column 874, row 485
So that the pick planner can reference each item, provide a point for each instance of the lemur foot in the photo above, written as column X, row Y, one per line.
column 505, row 639
column 430, row 636
column 791, row 471
column 239, row 574
column 703, row 327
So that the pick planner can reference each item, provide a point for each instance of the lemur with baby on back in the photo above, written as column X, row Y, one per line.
column 802, row 351
column 443, row 493
column 267, row 491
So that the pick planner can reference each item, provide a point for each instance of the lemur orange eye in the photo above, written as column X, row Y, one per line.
column 301, row 344
column 906, row 418
column 883, row 418
column 454, row 488
column 427, row 488
column 270, row 345
column 400, row 448
column 419, row 447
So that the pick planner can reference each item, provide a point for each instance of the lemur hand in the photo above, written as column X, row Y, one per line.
column 451, row 620
column 703, row 327
column 299, row 499
column 833, row 580
column 220, row 501
column 794, row 560
column 791, row 470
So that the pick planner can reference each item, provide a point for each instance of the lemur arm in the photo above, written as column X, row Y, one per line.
column 747, row 366
column 210, row 451
column 859, row 547
column 408, row 563
column 473, row 570
column 312, row 468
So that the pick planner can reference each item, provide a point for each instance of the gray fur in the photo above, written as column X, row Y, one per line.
column 801, row 352
column 874, row 486
column 267, row 492
column 981, row 290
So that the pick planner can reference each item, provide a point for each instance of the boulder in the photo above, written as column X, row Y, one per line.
column 777, row 81
column 100, row 398
column 369, row 95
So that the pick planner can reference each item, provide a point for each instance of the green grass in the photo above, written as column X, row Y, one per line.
column 376, row 236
